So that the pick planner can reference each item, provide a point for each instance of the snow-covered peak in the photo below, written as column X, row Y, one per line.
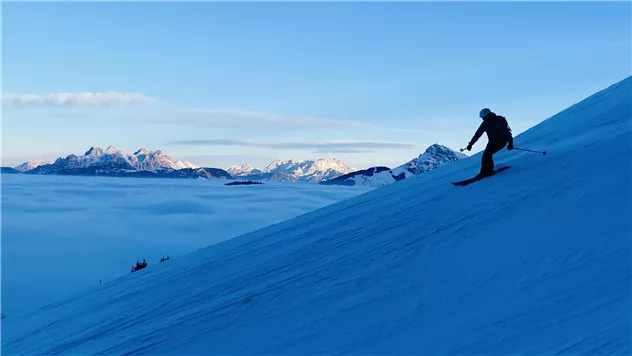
column 435, row 156
column 331, row 163
column 147, row 160
column 276, row 164
column 27, row 166
column 94, row 152
column 184, row 164
column 142, row 151
column 112, row 150
column 437, row 150
column 295, row 169
column 244, row 169
column 322, row 164
column 141, row 160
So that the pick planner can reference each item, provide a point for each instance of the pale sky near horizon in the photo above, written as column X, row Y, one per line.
column 220, row 83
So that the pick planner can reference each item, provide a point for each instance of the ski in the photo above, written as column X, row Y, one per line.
column 477, row 178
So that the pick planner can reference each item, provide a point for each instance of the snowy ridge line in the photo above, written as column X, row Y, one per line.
column 141, row 160
column 27, row 166
column 114, row 162
column 294, row 170
column 146, row 163
column 435, row 156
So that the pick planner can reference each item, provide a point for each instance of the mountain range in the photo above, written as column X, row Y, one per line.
column 294, row 170
column 145, row 163
column 114, row 162
column 435, row 156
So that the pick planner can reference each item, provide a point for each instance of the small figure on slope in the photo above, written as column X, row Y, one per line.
column 498, row 135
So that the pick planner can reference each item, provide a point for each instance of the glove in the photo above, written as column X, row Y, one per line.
column 469, row 147
column 510, row 146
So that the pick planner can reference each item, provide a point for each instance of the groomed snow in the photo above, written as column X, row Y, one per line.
column 535, row 260
column 61, row 234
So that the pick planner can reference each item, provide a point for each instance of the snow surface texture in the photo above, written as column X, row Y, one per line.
column 435, row 156
column 294, row 170
column 61, row 234
column 534, row 260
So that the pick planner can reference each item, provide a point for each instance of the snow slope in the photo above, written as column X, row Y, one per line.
column 535, row 260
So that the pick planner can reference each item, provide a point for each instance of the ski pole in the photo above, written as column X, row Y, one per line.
column 524, row 149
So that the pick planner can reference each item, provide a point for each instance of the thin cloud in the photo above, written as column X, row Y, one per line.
column 319, row 146
column 259, row 120
column 68, row 115
column 76, row 99
column 163, row 114
column 343, row 150
column 248, row 118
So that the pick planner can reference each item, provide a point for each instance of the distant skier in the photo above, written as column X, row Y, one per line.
column 498, row 134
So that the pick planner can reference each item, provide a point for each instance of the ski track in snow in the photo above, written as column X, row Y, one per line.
column 91, row 228
column 535, row 260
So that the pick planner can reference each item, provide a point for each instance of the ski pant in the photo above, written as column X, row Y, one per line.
column 487, row 162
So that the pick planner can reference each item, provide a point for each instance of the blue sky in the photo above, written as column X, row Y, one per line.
column 371, row 83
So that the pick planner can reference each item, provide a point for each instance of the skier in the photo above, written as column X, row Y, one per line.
column 498, row 134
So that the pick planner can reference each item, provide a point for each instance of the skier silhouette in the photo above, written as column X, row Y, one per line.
column 498, row 135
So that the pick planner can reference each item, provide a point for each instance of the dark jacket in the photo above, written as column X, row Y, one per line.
column 497, row 128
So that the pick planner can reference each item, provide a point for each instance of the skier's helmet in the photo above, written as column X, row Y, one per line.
column 484, row 113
